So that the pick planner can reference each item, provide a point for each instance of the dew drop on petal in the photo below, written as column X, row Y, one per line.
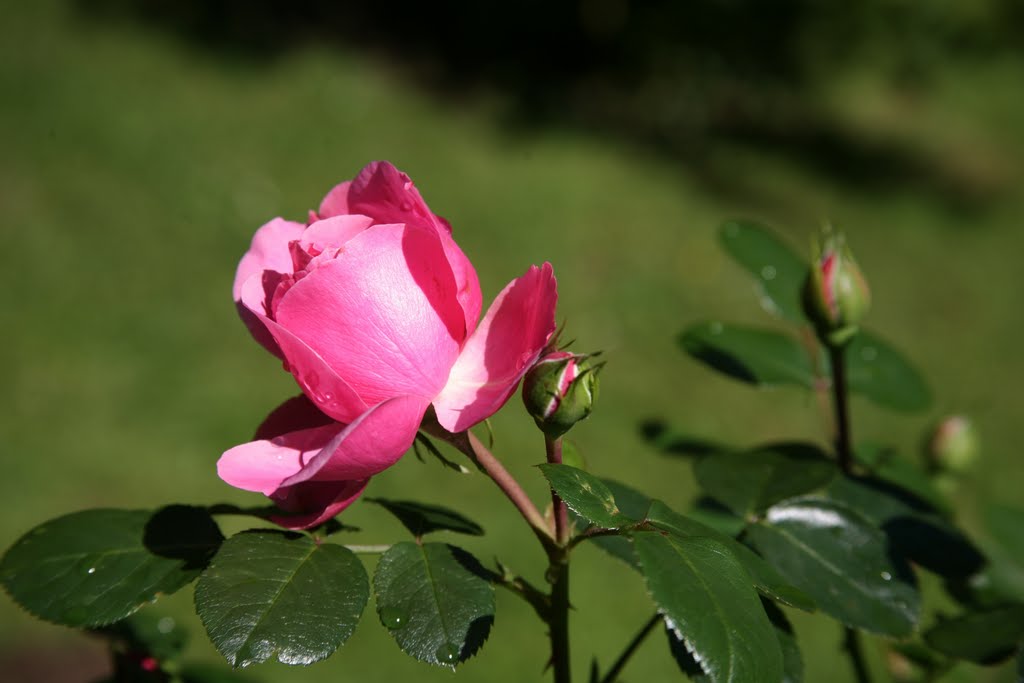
column 393, row 617
column 447, row 654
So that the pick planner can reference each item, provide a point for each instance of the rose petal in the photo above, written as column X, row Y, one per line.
column 333, row 232
column 321, row 500
column 371, row 444
column 389, row 196
column 264, row 464
column 383, row 314
column 294, row 414
column 508, row 341
column 336, row 201
column 316, row 378
column 268, row 251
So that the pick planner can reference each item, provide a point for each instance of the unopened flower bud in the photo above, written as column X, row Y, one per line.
column 836, row 295
column 560, row 390
column 953, row 445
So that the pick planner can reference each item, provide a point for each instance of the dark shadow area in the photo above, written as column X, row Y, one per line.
column 676, row 79
column 183, row 532
column 661, row 436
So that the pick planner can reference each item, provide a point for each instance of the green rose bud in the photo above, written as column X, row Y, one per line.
column 560, row 390
column 836, row 295
column 953, row 446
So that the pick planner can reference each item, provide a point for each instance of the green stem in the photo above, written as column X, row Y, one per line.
column 558, row 572
column 620, row 663
column 844, row 452
column 840, row 394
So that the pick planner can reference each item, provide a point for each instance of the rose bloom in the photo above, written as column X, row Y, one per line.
column 373, row 308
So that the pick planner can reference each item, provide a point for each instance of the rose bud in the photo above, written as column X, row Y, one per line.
column 560, row 390
column 836, row 295
column 953, row 445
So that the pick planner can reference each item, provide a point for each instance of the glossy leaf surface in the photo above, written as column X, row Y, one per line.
column 585, row 494
column 270, row 594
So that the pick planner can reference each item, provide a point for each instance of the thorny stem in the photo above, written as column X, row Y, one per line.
column 634, row 645
column 473, row 449
column 844, row 452
column 558, row 574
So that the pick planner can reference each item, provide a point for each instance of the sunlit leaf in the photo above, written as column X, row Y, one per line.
column 271, row 594
column 585, row 494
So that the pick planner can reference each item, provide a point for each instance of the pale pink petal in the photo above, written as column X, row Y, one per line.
column 268, row 251
column 336, row 201
column 316, row 378
column 333, row 231
column 508, row 341
column 264, row 464
column 383, row 314
column 371, row 444
column 389, row 196
column 319, row 500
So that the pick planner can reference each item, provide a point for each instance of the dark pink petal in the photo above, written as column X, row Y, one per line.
column 389, row 196
column 318, row 500
column 268, row 251
column 264, row 464
column 371, row 444
column 383, row 314
column 336, row 201
column 316, row 378
column 508, row 341
column 294, row 414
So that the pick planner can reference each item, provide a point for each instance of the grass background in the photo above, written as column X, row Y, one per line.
column 134, row 167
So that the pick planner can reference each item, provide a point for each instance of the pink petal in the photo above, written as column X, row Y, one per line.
column 316, row 378
column 371, row 444
column 264, row 464
column 508, row 341
column 268, row 251
column 389, row 196
column 383, row 314
column 333, row 232
column 294, row 414
column 322, row 499
column 336, row 201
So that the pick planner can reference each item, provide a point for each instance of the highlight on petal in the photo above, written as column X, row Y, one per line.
column 318, row 500
column 268, row 251
column 264, row 464
column 496, row 356
column 383, row 314
column 371, row 444
column 318, row 380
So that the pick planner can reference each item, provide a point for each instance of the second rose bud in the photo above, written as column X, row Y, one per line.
column 560, row 390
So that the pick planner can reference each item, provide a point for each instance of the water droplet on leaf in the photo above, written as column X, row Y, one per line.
column 90, row 570
column 165, row 625
column 768, row 272
column 393, row 617
column 447, row 654
column 886, row 576
column 869, row 353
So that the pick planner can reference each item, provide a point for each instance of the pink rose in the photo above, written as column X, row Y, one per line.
column 373, row 308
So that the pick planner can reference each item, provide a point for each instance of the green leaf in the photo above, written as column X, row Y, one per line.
column 780, row 272
column 982, row 637
column 710, row 512
column 586, row 495
column 674, row 441
column 765, row 578
column 421, row 518
column 633, row 505
column 435, row 601
column 274, row 594
column 842, row 561
column 880, row 373
column 755, row 356
column 96, row 567
column 886, row 464
column 914, row 531
column 792, row 659
column 707, row 599
column 753, row 481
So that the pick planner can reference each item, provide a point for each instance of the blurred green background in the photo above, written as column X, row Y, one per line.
column 141, row 144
